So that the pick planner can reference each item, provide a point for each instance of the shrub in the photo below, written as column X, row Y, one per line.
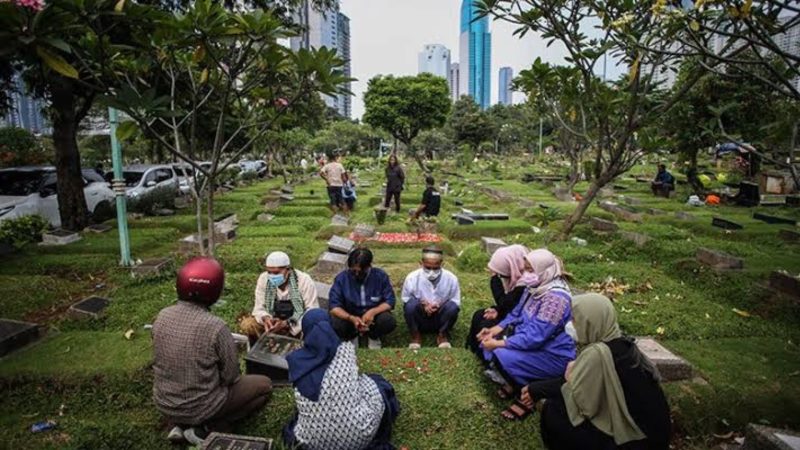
column 472, row 259
column 545, row 216
column 19, row 147
column 163, row 197
column 248, row 177
column 23, row 230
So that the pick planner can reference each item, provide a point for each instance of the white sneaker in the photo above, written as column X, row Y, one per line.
column 176, row 435
column 374, row 344
column 445, row 345
column 194, row 436
column 414, row 346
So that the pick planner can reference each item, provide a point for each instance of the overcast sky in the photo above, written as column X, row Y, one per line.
column 387, row 36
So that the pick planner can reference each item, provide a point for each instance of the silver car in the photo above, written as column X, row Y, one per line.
column 141, row 179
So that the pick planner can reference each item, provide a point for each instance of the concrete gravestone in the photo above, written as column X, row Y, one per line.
column 340, row 220
column 323, row 294
column 725, row 224
column 331, row 263
column 364, row 231
column 671, row 366
column 286, row 189
column 152, row 267
column 599, row 224
column 464, row 219
column 15, row 334
column 637, row 238
column 620, row 212
column 785, row 284
column 683, row 215
column 60, row 237
column 191, row 243
column 268, row 357
column 89, row 308
column 220, row 441
column 491, row 245
column 338, row 244
column 264, row 217
column 98, row 228
column 719, row 260
column 760, row 437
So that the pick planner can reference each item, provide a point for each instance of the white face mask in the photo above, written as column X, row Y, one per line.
column 432, row 275
column 569, row 328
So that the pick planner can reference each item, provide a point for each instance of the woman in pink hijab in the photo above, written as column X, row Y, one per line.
column 507, row 283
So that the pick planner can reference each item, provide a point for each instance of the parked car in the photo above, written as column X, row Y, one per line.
column 141, row 179
column 32, row 190
column 185, row 174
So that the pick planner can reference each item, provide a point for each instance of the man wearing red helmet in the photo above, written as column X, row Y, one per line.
column 197, row 384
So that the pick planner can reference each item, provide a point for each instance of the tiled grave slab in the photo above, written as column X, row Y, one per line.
column 15, row 334
column 633, row 201
column 286, row 189
column 671, row 366
column 364, row 230
column 268, row 357
column 620, row 212
column 286, row 198
column 774, row 219
column 340, row 220
column 219, row 441
column 639, row 239
column 331, row 263
column 323, row 294
column 98, row 228
column 719, row 260
column 656, row 212
column 491, row 245
column 151, row 267
column 264, row 217
column 463, row 219
column 89, row 308
column 226, row 221
column 225, row 235
column 60, row 237
column 338, row 244
column 725, row 224
column 760, row 437
column 599, row 224
column 785, row 284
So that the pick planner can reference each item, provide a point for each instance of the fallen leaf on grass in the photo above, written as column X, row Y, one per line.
column 129, row 334
column 661, row 331
column 638, row 303
column 741, row 313
column 708, row 316
column 626, row 310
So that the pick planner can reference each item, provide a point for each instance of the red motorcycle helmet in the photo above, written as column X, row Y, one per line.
column 200, row 281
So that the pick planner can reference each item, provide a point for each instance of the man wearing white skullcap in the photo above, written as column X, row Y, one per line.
column 283, row 295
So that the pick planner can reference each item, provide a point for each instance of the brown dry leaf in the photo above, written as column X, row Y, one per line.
column 661, row 331
column 610, row 287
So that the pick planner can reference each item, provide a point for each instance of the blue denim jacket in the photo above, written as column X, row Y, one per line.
column 357, row 298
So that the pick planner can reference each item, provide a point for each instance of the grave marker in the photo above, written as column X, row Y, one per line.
column 164, row 212
column 338, row 244
column 725, row 224
column 15, row 335
column 719, row 260
column 491, row 245
column 89, row 308
column 226, row 221
column 220, row 441
column 683, row 215
column 637, row 238
column 364, row 230
column 459, row 202
column 286, row 189
column 286, row 198
column 789, row 235
column 97, row 228
column 670, row 366
column 563, row 194
column 785, row 284
column 633, row 201
column 462, row 219
column 191, row 243
column 151, row 267
column 323, row 294
column 340, row 220
column 772, row 200
column 599, row 224
column 656, row 212
column 760, row 437
column 331, row 263
column 276, row 192
column 60, row 237
column 268, row 357
column 264, row 217
column 772, row 220
column 620, row 212
column 225, row 235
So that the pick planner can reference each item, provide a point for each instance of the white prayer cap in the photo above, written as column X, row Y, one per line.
column 278, row 259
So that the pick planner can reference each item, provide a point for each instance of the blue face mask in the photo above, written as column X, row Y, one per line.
column 277, row 279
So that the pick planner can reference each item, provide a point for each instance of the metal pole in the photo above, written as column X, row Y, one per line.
column 118, row 184
column 541, row 123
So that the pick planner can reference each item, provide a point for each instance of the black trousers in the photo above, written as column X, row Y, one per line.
column 384, row 324
column 388, row 200
column 478, row 323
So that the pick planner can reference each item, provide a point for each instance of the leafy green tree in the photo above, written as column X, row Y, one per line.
column 518, row 127
column 435, row 142
column 229, row 65
column 347, row 137
column 470, row 124
column 406, row 106
column 19, row 147
column 63, row 50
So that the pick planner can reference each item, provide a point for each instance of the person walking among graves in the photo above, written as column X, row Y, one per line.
column 395, row 180
column 538, row 348
column 612, row 398
column 349, row 196
column 507, row 284
column 337, row 408
column 362, row 299
column 333, row 174
column 431, row 200
column 283, row 294
column 432, row 299
column 196, row 381
column 664, row 182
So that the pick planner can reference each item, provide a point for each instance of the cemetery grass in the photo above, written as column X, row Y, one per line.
column 103, row 380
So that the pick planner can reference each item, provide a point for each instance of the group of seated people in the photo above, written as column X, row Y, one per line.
column 564, row 356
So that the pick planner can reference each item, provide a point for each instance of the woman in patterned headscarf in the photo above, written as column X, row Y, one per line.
column 531, row 342
column 508, row 283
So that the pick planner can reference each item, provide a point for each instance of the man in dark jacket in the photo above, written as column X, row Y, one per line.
column 664, row 182
column 395, row 179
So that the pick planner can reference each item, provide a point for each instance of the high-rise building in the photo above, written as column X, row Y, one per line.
column 435, row 59
column 455, row 81
column 475, row 55
column 26, row 111
column 505, row 94
column 331, row 29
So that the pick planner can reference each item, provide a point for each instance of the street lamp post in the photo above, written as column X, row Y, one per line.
column 118, row 184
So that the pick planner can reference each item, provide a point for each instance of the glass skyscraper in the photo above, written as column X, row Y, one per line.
column 475, row 55
column 505, row 96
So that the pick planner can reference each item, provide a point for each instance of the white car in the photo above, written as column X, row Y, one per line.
column 185, row 174
column 27, row 191
column 257, row 166
column 141, row 179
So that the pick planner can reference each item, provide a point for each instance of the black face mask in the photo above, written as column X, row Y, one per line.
column 361, row 276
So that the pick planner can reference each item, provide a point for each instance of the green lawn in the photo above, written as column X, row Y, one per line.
column 97, row 384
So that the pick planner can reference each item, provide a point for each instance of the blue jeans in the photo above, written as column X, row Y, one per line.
column 441, row 322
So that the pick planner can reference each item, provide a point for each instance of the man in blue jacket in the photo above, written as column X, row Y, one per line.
column 362, row 299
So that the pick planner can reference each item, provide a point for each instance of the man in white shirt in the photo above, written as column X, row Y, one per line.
column 432, row 299
column 333, row 173
column 283, row 294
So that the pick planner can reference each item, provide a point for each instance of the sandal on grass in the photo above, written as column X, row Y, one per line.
column 505, row 392
column 517, row 411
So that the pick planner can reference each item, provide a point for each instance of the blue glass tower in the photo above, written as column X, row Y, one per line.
column 476, row 55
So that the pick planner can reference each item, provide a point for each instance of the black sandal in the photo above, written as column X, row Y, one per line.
column 517, row 411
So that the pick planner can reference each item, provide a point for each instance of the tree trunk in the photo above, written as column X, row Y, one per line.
column 417, row 157
column 210, row 216
column 71, row 199
column 575, row 172
column 198, row 198
column 577, row 215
